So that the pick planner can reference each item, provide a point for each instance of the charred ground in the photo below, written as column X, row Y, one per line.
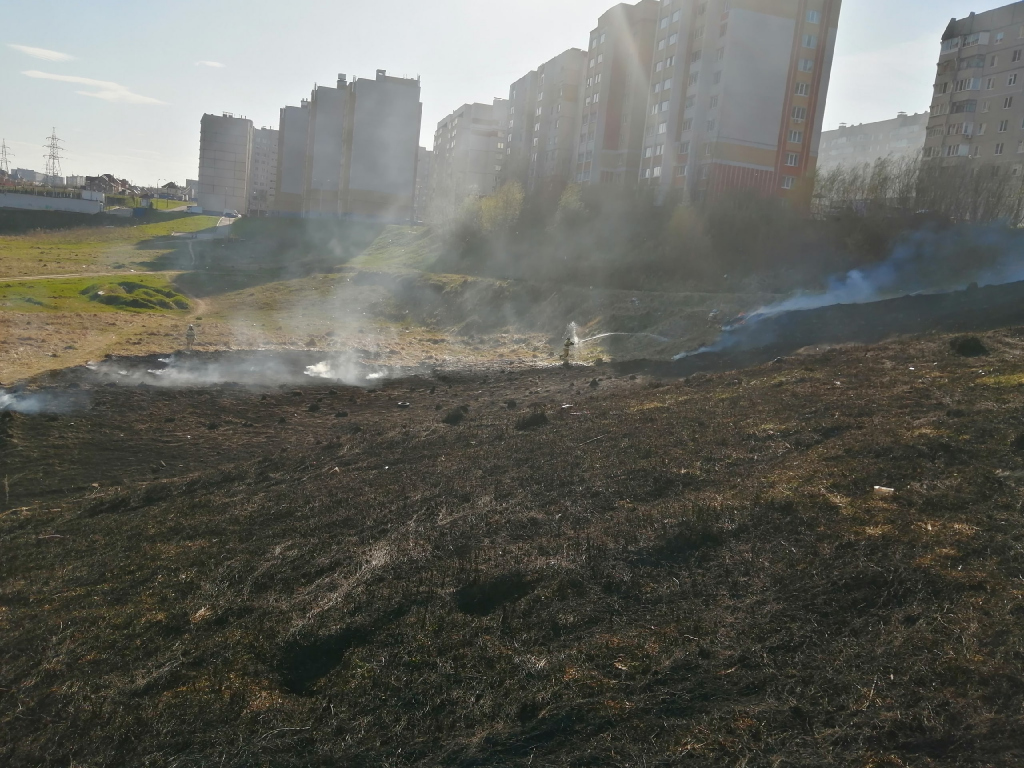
column 690, row 572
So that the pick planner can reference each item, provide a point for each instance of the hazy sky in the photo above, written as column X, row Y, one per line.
column 126, row 83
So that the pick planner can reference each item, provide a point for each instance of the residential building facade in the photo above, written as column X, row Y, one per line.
column 737, row 96
column 977, row 108
column 469, row 151
column 351, row 151
column 263, row 171
column 292, row 142
column 614, row 95
column 856, row 145
column 544, row 116
column 225, row 147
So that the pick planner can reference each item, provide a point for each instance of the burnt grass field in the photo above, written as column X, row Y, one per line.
column 655, row 573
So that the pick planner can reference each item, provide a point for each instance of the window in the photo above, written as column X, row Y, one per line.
column 677, row 16
column 664, row 106
column 656, row 173
column 1017, row 54
column 711, row 126
column 982, row 128
column 999, row 148
column 597, row 79
column 664, row 23
column 952, row 44
column 1011, row 80
column 1008, row 102
column 592, row 63
column 806, row 65
column 721, row 54
column 993, row 61
column 810, row 41
column 714, row 102
column 1020, row 147
column 799, row 114
column 673, row 39
column 662, row 128
column 670, row 61
column 796, row 137
column 695, row 57
column 648, row 152
column 717, row 78
column 990, row 85
column 600, row 58
column 803, row 89
column 690, row 101
column 659, row 149
column 657, row 87
column 661, row 44
column 999, row 37
column 694, row 78
column 680, row 170
column 659, row 66
column 604, row 37
column 705, row 171
column 1004, row 126
column 684, row 148
column 792, row 159
column 667, row 84
column 788, row 182
column 688, row 124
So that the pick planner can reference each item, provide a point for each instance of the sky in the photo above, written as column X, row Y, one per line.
column 125, row 84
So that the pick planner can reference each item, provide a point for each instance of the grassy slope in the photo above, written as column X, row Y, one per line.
column 96, row 249
column 65, row 294
column 690, row 574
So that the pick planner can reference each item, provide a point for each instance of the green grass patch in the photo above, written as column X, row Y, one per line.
column 400, row 249
column 145, row 293
column 96, row 248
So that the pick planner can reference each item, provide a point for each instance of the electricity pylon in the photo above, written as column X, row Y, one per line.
column 5, row 163
column 53, row 157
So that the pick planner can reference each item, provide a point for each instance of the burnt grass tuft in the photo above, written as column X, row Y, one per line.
column 968, row 346
column 694, row 574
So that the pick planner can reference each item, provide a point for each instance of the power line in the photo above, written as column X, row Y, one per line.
column 53, row 157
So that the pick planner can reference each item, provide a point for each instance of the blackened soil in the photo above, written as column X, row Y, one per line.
column 666, row 573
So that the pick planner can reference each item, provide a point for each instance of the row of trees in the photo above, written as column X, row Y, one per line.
column 959, row 192
column 738, row 241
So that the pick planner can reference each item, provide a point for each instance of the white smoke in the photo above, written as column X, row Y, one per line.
column 926, row 262
column 253, row 369
column 40, row 403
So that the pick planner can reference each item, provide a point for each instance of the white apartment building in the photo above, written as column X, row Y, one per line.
column 857, row 145
column 225, row 148
column 977, row 108
column 469, row 151
column 263, row 171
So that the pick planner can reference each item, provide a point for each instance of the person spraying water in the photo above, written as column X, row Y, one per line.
column 190, row 338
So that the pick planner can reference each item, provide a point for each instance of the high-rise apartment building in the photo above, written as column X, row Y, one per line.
column 543, row 121
column 293, row 139
column 737, row 96
column 225, row 147
column 385, row 143
column 469, row 151
column 263, row 171
column 327, row 145
column 351, row 151
column 856, row 145
column 977, row 108
column 614, row 96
